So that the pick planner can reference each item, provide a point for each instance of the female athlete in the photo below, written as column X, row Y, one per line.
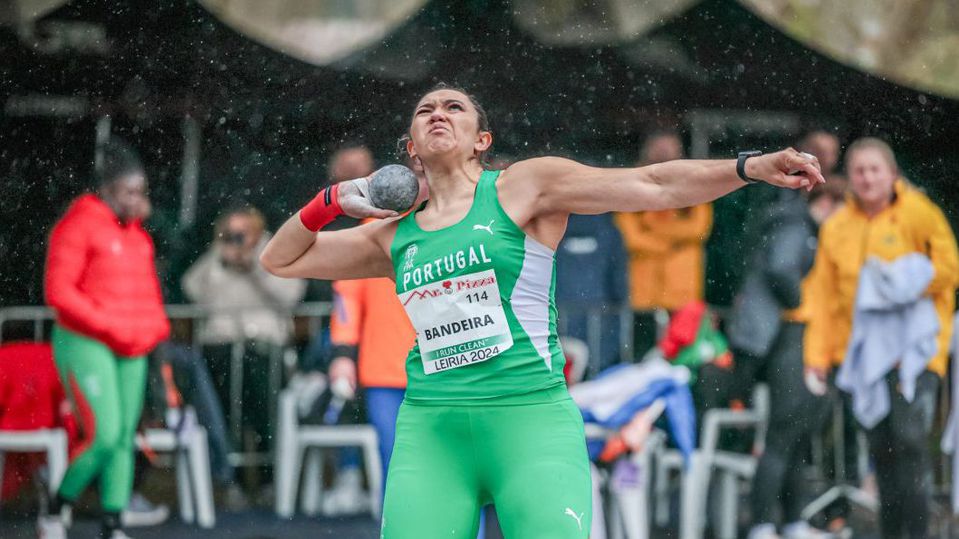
column 486, row 417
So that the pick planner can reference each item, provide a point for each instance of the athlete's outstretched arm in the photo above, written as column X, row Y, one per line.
column 354, row 253
column 562, row 185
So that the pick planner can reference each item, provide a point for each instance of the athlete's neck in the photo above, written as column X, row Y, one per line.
column 451, row 183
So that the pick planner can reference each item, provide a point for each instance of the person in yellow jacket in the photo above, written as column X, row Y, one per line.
column 666, row 257
column 886, row 218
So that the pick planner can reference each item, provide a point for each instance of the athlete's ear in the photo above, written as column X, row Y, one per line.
column 484, row 139
column 410, row 149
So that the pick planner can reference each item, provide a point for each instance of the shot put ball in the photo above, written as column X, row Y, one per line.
column 394, row 187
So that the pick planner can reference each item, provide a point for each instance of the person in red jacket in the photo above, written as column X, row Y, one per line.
column 101, row 281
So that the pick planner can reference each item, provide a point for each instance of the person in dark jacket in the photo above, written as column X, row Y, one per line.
column 766, row 334
column 591, row 280
column 101, row 281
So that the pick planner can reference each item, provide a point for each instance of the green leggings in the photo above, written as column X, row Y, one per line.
column 525, row 455
column 107, row 396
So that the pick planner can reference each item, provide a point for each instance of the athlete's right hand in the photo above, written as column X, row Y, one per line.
column 354, row 199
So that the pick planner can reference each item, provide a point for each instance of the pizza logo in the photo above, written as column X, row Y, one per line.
column 447, row 287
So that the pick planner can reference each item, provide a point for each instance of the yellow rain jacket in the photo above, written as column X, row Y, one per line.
column 665, row 255
column 912, row 223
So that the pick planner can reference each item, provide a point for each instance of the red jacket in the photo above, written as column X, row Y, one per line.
column 101, row 279
column 31, row 398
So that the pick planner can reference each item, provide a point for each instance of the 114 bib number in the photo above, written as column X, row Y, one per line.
column 458, row 321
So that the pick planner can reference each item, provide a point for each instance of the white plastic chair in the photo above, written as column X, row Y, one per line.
column 194, row 485
column 193, row 480
column 300, row 446
column 731, row 468
column 53, row 442
column 628, row 515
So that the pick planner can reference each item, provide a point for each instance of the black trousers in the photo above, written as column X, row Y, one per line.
column 254, row 415
column 794, row 415
column 193, row 377
column 899, row 448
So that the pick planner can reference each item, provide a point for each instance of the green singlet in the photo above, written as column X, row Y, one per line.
column 486, row 418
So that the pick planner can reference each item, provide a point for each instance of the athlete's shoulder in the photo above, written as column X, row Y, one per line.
column 539, row 167
column 537, row 176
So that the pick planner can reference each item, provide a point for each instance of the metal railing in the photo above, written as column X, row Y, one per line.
column 283, row 357
column 40, row 315
column 599, row 316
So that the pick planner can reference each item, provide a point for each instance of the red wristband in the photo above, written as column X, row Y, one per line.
column 322, row 209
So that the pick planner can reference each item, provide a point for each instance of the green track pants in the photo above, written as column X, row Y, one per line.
column 107, row 395
column 526, row 455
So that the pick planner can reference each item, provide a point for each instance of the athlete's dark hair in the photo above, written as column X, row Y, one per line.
column 482, row 118
column 113, row 160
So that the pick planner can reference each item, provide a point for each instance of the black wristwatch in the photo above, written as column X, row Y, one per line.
column 741, row 165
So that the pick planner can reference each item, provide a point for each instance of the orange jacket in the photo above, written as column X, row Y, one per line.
column 368, row 316
column 911, row 224
column 665, row 255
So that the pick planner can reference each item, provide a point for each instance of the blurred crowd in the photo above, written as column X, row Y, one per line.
column 847, row 301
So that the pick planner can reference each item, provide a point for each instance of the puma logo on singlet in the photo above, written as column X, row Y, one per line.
column 488, row 228
column 578, row 519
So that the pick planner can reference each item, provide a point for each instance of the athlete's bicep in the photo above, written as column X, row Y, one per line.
column 354, row 253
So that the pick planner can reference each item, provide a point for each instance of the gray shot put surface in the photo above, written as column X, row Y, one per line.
column 394, row 187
